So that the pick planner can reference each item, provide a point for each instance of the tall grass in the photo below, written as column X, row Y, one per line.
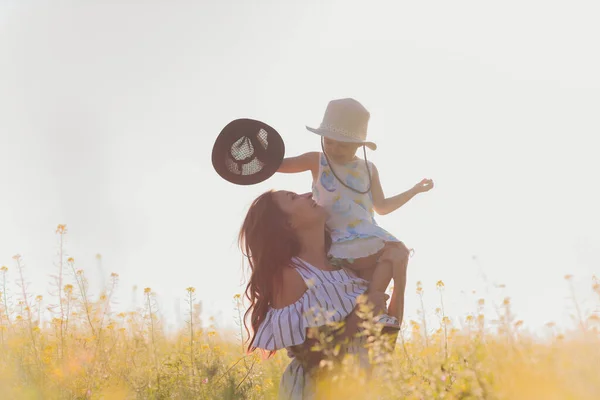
column 88, row 351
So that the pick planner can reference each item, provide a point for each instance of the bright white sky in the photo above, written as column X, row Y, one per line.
column 108, row 114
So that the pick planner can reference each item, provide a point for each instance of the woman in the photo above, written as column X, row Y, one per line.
column 285, row 241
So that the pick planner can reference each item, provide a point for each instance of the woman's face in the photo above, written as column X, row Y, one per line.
column 302, row 210
column 340, row 152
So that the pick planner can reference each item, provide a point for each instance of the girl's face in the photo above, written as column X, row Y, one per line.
column 303, row 212
column 340, row 152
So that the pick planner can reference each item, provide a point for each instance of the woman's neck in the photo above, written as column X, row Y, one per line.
column 312, row 244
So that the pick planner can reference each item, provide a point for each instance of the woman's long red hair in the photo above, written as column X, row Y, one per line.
column 269, row 243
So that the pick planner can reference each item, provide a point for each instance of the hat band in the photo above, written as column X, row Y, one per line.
column 343, row 132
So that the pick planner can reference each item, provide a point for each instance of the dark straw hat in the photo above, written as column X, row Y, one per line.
column 247, row 152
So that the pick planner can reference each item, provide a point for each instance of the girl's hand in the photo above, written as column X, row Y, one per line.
column 424, row 186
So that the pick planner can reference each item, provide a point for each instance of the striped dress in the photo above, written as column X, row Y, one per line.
column 330, row 297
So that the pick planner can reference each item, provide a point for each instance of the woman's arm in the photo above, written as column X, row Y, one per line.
column 353, row 321
column 383, row 205
column 310, row 358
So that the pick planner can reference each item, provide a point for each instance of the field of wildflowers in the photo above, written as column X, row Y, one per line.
column 87, row 351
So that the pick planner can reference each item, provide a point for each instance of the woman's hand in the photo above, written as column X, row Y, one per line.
column 378, row 299
column 424, row 186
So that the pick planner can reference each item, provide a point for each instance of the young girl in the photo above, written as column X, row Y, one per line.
column 350, row 190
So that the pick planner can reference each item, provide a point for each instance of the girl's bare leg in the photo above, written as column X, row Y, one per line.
column 392, row 262
column 399, row 256
column 379, row 269
column 378, row 274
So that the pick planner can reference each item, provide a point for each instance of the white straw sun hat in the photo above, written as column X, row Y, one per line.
column 345, row 120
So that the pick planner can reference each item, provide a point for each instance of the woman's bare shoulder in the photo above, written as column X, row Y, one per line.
column 291, row 290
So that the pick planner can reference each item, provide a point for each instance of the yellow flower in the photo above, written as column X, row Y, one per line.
column 70, row 260
column 439, row 284
column 61, row 229
column 419, row 287
column 568, row 277
column 480, row 302
column 518, row 323
column 506, row 301
column 237, row 296
column 191, row 289
column 4, row 268
column 147, row 290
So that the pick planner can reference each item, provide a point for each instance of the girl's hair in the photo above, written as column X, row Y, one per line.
column 269, row 243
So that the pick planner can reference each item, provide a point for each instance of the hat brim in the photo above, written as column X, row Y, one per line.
column 340, row 138
column 272, row 157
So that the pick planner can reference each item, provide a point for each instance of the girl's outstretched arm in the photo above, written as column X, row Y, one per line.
column 383, row 205
column 301, row 163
